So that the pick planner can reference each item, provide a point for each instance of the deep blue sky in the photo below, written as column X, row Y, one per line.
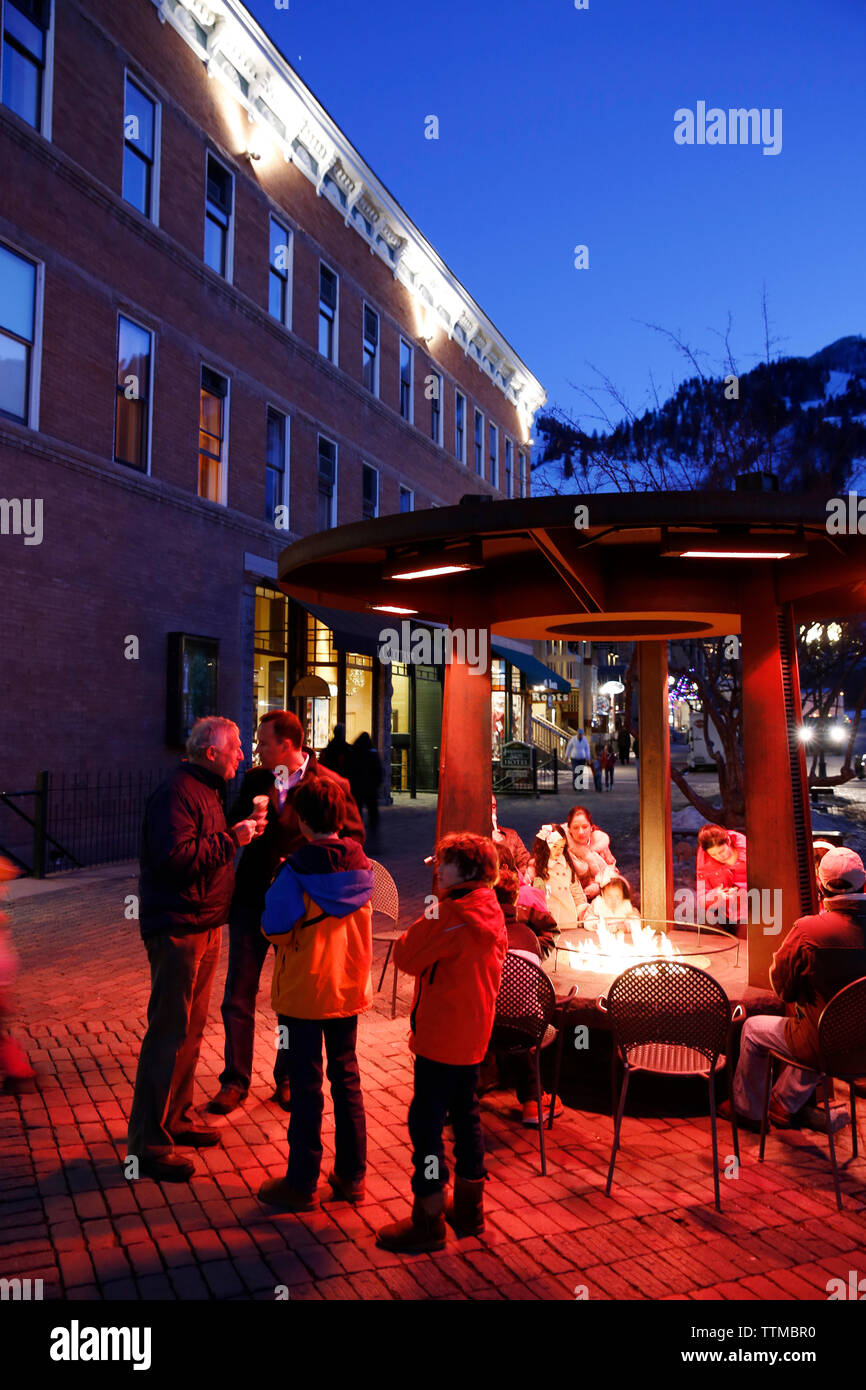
column 556, row 128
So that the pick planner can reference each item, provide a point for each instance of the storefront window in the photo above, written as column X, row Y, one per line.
column 359, row 696
column 497, row 675
column 322, row 659
column 270, row 651
column 400, row 727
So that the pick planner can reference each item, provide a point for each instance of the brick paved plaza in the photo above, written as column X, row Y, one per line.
column 69, row 1217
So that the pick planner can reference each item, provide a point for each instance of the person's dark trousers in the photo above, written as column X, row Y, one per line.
column 181, row 976
column 596, row 777
column 372, row 806
column 248, row 948
column 304, row 1055
column 442, row 1090
column 608, row 778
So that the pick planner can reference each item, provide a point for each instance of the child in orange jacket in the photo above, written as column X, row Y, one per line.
column 456, row 954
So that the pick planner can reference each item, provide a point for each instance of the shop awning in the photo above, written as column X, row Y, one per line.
column 352, row 632
column 535, row 671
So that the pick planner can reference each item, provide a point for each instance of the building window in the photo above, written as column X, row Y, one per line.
column 370, row 492
column 479, row 443
column 521, row 474
column 434, row 385
column 460, row 427
column 494, row 456
column 140, row 148
column 509, row 468
column 407, row 499
column 276, row 467
column 371, row 350
column 279, row 272
column 25, row 43
column 405, row 380
column 327, row 506
column 213, row 433
column 132, row 407
column 18, row 284
column 270, row 651
column 328, row 291
column 218, row 218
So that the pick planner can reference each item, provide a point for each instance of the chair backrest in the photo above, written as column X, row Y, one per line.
column 525, row 1004
column 842, row 1031
column 669, row 1002
column 384, row 898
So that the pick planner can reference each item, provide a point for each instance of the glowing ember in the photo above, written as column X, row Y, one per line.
column 624, row 943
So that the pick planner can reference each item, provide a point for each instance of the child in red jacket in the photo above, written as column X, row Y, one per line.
column 457, row 956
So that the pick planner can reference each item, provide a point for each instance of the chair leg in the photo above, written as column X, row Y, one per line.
column 556, row 1071
column 540, row 1115
column 715, row 1141
column 832, row 1142
column 734, row 1130
column 616, row 1129
column 394, row 994
column 852, row 1094
column 765, row 1116
column 385, row 966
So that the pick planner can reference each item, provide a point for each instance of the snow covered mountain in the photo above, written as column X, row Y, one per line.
column 802, row 418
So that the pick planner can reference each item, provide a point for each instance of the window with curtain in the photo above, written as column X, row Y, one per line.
column 132, row 397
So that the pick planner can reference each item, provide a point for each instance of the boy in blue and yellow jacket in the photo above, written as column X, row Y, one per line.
column 318, row 915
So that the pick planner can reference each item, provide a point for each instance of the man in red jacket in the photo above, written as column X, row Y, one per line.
column 457, row 955
column 285, row 765
column 819, row 956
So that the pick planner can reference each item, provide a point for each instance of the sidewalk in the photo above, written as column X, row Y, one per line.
column 69, row 1217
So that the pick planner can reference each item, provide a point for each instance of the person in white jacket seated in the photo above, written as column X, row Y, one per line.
column 613, row 909
column 554, row 871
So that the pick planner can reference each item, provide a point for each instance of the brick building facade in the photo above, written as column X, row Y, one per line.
column 221, row 333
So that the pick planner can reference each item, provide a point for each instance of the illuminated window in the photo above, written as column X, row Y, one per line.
column 213, row 435
column 132, row 406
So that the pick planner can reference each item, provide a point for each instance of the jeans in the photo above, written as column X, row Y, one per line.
column 304, row 1059
column 181, row 976
column 442, row 1091
column 608, row 778
column 792, row 1089
column 247, row 951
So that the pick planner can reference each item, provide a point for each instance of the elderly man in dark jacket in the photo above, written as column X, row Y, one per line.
column 187, row 877
column 285, row 765
column 819, row 956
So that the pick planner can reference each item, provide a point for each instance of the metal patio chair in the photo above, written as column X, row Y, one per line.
column 842, row 1050
column 386, row 899
column 526, row 1021
column 674, row 1019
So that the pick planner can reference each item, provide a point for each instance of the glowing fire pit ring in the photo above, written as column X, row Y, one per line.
column 591, row 962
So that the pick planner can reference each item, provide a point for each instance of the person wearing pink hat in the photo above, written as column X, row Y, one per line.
column 819, row 956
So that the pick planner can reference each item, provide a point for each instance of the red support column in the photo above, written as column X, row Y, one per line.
column 778, row 820
column 465, row 779
column 656, row 862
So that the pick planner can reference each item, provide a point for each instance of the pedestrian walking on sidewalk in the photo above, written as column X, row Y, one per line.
column 187, row 876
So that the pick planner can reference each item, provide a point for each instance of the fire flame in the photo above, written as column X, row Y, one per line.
column 627, row 942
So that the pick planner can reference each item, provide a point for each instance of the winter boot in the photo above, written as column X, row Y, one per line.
column 421, row 1232
column 465, row 1211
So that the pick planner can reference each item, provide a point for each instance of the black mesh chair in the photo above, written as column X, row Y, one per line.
column 386, row 899
column 842, row 1050
column 526, row 1021
column 674, row 1019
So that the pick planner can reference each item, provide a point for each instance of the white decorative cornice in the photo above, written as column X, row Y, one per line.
column 237, row 52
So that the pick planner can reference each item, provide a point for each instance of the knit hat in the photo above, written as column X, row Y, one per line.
column 841, row 871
